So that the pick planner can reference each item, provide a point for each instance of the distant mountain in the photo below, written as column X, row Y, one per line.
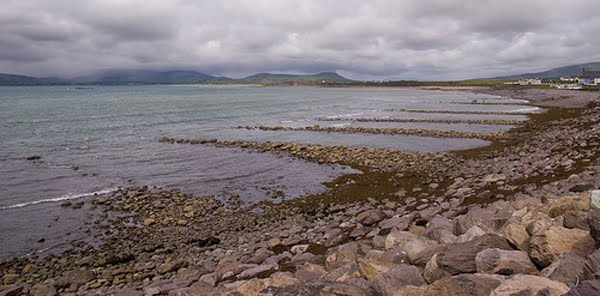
column 574, row 70
column 12, row 79
column 123, row 77
column 115, row 77
column 268, row 78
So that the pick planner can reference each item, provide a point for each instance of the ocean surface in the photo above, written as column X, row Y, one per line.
column 92, row 140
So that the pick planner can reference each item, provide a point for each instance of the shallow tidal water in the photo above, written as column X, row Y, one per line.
column 94, row 140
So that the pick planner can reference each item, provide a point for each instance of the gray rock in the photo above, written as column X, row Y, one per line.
column 594, row 225
column 576, row 219
column 504, row 262
column 586, row 288
column 256, row 271
column 595, row 199
column 460, row 257
column 566, row 269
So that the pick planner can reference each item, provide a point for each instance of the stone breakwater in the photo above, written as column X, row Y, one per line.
column 384, row 131
column 449, row 121
column 518, row 217
column 362, row 157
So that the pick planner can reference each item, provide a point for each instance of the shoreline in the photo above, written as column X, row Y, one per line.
column 178, row 238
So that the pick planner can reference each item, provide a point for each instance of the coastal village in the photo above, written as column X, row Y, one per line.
column 587, row 78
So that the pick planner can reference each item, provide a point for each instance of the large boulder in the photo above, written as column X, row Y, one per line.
column 460, row 257
column 504, row 262
column 566, row 269
column 397, row 277
column 548, row 244
column 465, row 284
column 522, row 284
column 594, row 226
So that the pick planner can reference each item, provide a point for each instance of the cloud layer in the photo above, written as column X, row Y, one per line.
column 435, row 39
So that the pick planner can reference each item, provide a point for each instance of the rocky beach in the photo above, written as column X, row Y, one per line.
column 520, row 216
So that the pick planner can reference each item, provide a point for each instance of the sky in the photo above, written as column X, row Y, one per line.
column 394, row 39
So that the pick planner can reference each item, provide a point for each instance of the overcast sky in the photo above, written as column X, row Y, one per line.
column 401, row 39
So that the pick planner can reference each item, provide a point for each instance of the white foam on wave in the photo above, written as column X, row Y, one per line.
column 526, row 109
column 345, row 115
column 341, row 124
column 68, row 196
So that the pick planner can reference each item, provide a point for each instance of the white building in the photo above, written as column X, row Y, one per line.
column 596, row 81
column 536, row 81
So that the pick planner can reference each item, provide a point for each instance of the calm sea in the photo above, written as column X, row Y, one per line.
column 93, row 140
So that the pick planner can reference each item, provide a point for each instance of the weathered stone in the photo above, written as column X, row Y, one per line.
column 370, row 217
column 573, row 219
column 568, row 203
column 433, row 272
column 595, row 200
column 398, row 238
column 149, row 221
column 394, row 256
column 591, row 287
column 522, row 284
column 591, row 267
column 41, row 289
column 260, row 255
column 517, row 235
column 504, row 262
column 30, row 268
column 594, row 226
column 389, row 282
column 465, row 284
column 414, row 247
column 342, row 255
column 345, row 273
column 309, row 271
column 397, row 223
column 75, row 279
column 370, row 268
column 470, row 234
column 421, row 258
column 10, row 278
column 549, row 244
column 460, row 257
column 321, row 288
column 441, row 235
column 256, row 271
column 566, row 269
column 170, row 266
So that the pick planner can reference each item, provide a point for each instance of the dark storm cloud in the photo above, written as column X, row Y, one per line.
column 435, row 39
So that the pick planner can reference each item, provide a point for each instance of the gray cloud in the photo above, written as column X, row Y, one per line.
column 435, row 39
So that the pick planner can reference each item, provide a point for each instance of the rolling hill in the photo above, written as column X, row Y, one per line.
column 268, row 78
column 573, row 70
